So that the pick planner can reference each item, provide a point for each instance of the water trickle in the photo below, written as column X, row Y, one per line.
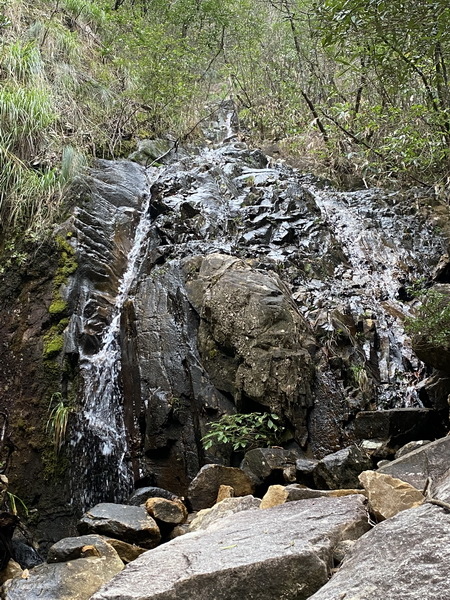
column 100, row 444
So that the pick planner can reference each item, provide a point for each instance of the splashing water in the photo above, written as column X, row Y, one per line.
column 102, row 472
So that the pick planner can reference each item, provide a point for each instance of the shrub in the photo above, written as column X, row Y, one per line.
column 244, row 432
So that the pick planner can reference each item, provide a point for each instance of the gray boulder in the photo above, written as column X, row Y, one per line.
column 341, row 469
column 205, row 487
column 284, row 552
column 131, row 524
column 230, row 506
column 274, row 465
column 76, row 579
column 431, row 461
column 405, row 557
column 78, row 547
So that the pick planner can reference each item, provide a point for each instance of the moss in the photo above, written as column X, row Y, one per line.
column 54, row 339
column 67, row 262
column 57, row 307
column 55, row 466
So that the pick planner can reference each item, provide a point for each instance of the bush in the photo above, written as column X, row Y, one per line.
column 244, row 432
column 431, row 326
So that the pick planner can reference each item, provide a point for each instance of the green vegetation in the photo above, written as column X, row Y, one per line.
column 244, row 431
column 58, row 420
column 432, row 324
column 352, row 88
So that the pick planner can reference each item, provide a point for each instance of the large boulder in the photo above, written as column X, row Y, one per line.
column 252, row 339
column 141, row 495
column 398, row 426
column 285, row 552
column 341, row 469
column 83, row 565
column 405, row 557
column 205, row 486
column 167, row 511
column 388, row 495
column 270, row 465
column 416, row 467
column 131, row 524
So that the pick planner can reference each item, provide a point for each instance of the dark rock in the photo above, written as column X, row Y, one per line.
column 8, row 522
column 416, row 467
column 410, row 447
column 253, row 341
column 25, row 555
column 341, row 469
column 204, row 488
column 270, row 465
column 131, row 524
column 141, row 495
column 305, row 468
column 74, row 547
column 405, row 557
column 285, row 552
column 398, row 426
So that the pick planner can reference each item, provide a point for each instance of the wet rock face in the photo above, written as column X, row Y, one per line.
column 252, row 340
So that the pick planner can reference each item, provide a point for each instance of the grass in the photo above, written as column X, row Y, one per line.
column 57, row 421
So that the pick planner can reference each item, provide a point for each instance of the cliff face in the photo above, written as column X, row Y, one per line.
column 219, row 282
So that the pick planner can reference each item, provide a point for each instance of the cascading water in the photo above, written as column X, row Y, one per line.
column 100, row 445
column 343, row 256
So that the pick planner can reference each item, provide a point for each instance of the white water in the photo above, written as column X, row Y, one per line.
column 101, row 431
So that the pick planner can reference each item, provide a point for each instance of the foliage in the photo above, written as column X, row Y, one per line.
column 14, row 502
column 431, row 326
column 58, row 419
column 244, row 431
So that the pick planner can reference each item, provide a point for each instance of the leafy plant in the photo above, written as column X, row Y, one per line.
column 58, row 420
column 14, row 502
column 432, row 323
column 244, row 431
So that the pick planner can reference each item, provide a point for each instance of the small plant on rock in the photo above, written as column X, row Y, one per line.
column 431, row 326
column 244, row 431
column 58, row 419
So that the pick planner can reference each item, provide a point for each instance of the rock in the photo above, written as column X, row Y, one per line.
column 126, row 552
column 12, row 570
column 151, row 150
column 275, row 495
column 305, row 468
column 410, row 446
column 341, row 469
column 405, row 557
column 229, row 506
column 431, row 460
column 388, row 495
column 252, row 339
column 284, row 552
column 225, row 491
column 272, row 465
column 75, row 547
column 76, row 579
column 25, row 555
column 131, row 524
column 141, row 495
column 204, row 487
column 8, row 522
column 300, row 492
column 166, row 511
column 398, row 426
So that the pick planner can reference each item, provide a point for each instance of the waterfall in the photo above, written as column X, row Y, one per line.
column 100, row 444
